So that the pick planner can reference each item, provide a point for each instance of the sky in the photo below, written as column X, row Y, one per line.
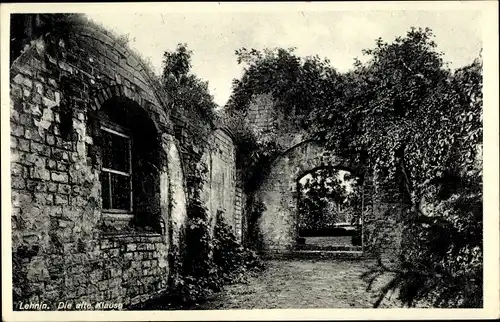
column 337, row 35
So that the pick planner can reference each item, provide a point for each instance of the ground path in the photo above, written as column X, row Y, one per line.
column 301, row 284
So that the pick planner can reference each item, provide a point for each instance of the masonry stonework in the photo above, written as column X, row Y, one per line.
column 277, row 193
column 220, row 186
column 64, row 246
column 65, row 84
column 270, row 122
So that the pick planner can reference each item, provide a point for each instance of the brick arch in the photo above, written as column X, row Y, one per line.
column 119, row 91
column 278, row 191
column 105, row 68
column 133, row 61
column 95, row 42
column 226, row 130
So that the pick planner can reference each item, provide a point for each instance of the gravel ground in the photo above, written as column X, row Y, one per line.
column 301, row 284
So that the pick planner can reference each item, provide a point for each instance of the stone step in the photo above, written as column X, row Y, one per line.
column 314, row 254
column 330, row 247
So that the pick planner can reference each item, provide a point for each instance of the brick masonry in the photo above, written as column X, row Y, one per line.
column 277, row 224
column 64, row 247
column 270, row 122
column 221, row 191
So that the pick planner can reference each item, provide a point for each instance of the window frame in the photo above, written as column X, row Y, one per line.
column 115, row 129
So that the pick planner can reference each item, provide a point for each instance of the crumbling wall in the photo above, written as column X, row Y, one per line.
column 64, row 247
column 278, row 194
column 60, row 250
column 219, row 190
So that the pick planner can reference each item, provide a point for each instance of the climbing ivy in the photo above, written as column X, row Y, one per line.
column 414, row 124
column 418, row 126
column 209, row 256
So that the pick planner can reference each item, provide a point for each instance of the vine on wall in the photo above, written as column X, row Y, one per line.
column 205, row 262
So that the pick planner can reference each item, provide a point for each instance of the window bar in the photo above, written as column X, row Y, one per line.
column 125, row 174
column 110, row 191
column 123, row 135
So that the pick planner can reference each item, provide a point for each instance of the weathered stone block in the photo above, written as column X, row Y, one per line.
column 16, row 170
column 60, row 200
column 23, row 145
column 38, row 186
column 113, row 253
column 16, row 129
column 64, row 188
column 50, row 139
column 59, row 176
column 18, row 183
column 39, row 173
column 76, row 190
column 22, row 80
column 41, row 149
column 106, row 244
column 52, row 187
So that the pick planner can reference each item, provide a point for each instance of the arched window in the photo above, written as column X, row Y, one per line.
column 129, row 153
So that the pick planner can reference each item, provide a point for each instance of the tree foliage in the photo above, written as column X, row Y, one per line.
column 298, row 84
column 186, row 90
column 417, row 125
column 325, row 200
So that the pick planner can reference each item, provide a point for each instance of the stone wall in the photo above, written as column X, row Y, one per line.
column 220, row 191
column 270, row 122
column 64, row 247
column 64, row 83
column 278, row 194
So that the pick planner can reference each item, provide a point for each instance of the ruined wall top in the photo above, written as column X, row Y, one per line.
column 84, row 50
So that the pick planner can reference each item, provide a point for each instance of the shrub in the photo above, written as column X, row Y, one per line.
column 208, row 262
column 233, row 261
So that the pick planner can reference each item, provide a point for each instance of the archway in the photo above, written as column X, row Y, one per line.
column 329, row 210
column 278, row 194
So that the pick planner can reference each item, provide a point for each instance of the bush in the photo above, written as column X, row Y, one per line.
column 233, row 261
column 209, row 262
column 194, row 277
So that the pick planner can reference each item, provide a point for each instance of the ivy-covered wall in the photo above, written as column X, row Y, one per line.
column 276, row 225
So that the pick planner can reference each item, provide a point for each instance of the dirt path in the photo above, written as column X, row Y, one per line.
column 301, row 284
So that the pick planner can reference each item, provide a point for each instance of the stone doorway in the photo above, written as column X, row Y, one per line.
column 329, row 210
